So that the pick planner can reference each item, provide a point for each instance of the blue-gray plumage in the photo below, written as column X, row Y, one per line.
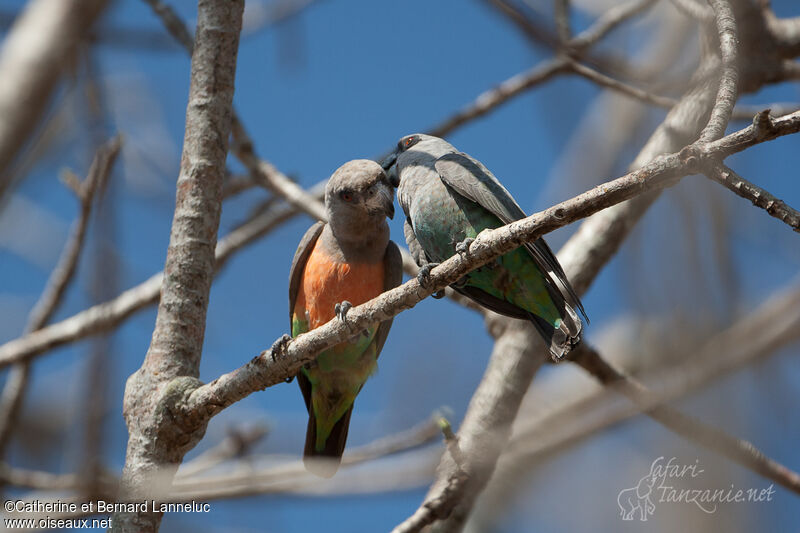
column 449, row 197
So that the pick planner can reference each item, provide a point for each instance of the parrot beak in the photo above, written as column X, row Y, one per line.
column 388, row 165
column 385, row 201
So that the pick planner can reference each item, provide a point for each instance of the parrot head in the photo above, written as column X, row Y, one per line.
column 358, row 196
column 415, row 149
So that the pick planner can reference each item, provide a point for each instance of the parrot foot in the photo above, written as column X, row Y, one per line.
column 424, row 275
column 279, row 348
column 341, row 310
column 462, row 248
column 438, row 295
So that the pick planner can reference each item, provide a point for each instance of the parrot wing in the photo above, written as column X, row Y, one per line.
column 419, row 255
column 299, row 263
column 393, row 276
column 295, row 278
column 469, row 178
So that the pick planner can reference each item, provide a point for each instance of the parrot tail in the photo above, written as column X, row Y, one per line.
column 563, row 338
column 325, row 462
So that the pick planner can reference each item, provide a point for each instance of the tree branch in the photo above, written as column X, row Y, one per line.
column 737, row 450
column 155, row 444
column 759, row 197
column 105, row 316
column 271, row 368
column 727, row 91
column 43, row 40
column 60, row 278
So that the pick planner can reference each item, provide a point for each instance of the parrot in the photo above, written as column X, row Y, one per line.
column 448, row 198
column 344, row 262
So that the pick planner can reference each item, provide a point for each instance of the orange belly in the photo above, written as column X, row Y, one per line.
column 327, row 282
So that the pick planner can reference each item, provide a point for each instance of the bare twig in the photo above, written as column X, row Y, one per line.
column 108, row 315
column 610, row 83
column 727, row 91
column 519, row 83
column 759, row 197
column 262, row 172
column 561, row 10
column 516, row 357
column 493, row 98
column 237, row 443
column 293, row 473
column 737, row 450
column 60, row 278
column 608, row 21
column 270, row 177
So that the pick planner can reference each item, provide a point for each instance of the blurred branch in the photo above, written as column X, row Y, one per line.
column 235, row 185
column 759, row 197
column 598, row 239
column 262, row 172
column 105, row 316
column 519, row 83
column 610, row 83
column 773, row 326
column 737, row 450
column 493, row 98
column 577, row 47
column 292, row 476
column 694, row 9
column 156, row 446
column 42, row 41
column 60, row 278
column 285, row 477
column 561, row 11
column 237, row 443
column 265, row 174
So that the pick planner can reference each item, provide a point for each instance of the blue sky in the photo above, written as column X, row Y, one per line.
column 345, row 80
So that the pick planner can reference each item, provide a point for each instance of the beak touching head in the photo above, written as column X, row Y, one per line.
column 389, row 166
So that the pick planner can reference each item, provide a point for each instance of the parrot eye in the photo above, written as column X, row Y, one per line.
column 347, row 196
column 408, row 142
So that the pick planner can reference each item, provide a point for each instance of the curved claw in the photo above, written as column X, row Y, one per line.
column 462, row 248
column 424, row 275
column 341, row 310
column 279, row 346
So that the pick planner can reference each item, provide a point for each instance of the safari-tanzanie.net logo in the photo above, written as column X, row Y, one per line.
column 671, row 482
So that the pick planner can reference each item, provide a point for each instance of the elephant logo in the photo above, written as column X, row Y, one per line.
column 638, row 497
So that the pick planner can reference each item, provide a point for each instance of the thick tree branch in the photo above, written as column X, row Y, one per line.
column 155, row 444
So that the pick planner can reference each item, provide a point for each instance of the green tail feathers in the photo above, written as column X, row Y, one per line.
column 322, row 457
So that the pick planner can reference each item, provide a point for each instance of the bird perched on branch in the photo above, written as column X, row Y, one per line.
column 344, row 262
column 448, row 198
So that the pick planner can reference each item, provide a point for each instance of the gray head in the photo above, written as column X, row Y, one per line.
column 358, row 198
column 411, row 163
column 414, row 149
